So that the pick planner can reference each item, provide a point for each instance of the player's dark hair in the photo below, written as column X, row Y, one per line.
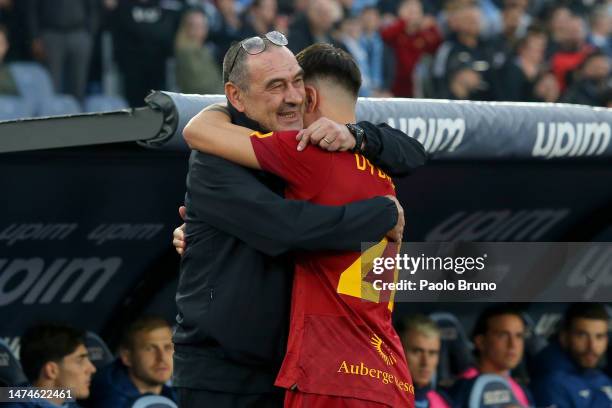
column 47, row 342
column 146, row 323
column 324, row 61
column 482, row 323
column 593, row 311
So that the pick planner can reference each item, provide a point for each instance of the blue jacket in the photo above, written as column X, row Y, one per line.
column 561, row 382
column 112, row 387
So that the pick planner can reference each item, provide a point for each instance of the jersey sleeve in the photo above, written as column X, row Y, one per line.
column 306, row 172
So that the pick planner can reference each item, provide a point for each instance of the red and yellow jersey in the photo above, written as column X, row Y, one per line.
column 341, row 340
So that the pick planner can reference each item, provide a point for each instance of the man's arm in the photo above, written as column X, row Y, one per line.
column 210, row 131
column 389, row 149
column 393, row 151
column 232, row 199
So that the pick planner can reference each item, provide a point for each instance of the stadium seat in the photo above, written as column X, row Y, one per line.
column 534, row 343
column 492, row 391
column 33, row 82
column 11, row 373
column 103, row 103
column 59, row 105
column 14, row 107
column 99, row 353
column 154, row 401
column 455, row 351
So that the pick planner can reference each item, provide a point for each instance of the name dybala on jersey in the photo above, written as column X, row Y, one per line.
column 341, row 340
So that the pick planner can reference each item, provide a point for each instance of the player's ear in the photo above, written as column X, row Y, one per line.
column 49, row 371
column 312, row 100
column 235, row 96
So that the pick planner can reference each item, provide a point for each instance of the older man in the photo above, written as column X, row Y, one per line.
column 235, row 284
column 421, row 339
column 330, row 294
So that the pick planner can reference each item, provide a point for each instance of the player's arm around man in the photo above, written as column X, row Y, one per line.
column 387, row 148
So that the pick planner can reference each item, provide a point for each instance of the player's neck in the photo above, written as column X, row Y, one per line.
column 340, row 115
column 49, row 384
column 487, row 367
column 145, row 387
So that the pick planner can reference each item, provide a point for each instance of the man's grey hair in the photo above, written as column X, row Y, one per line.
column 240, row 72
column 421, row 324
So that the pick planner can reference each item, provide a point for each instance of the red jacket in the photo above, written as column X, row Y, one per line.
column 563, row 62
column 408, row 51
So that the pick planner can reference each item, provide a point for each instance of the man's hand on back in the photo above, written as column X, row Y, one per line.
column 397, row 232
column 328, row 135
column 179, row 234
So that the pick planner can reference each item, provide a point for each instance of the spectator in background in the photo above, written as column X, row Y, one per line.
column 315, row 25
column 518, row 76
column 143, row 33
column 7, row 82
column 421, row 340
column 359, row 6
column 499, row 337
column 411, row 36
column 62, row 36
column 558, row 18
column 491, row 18
column 350, row 35
column 288, row 7
column 196, row 68
column 515, row 23
column 259, row 19
column 591, row 82
column 380, row 60
column 54, row 356
column 568, row 375
column 571, row 49
column 299, row 6
column 546, row 88
column 465, row 83
column 601, row 30
column 347, row 6
column 463, row 49
column 143, row 367
column 226, row 28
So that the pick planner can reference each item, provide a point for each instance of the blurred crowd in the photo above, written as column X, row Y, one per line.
column 504, row 50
